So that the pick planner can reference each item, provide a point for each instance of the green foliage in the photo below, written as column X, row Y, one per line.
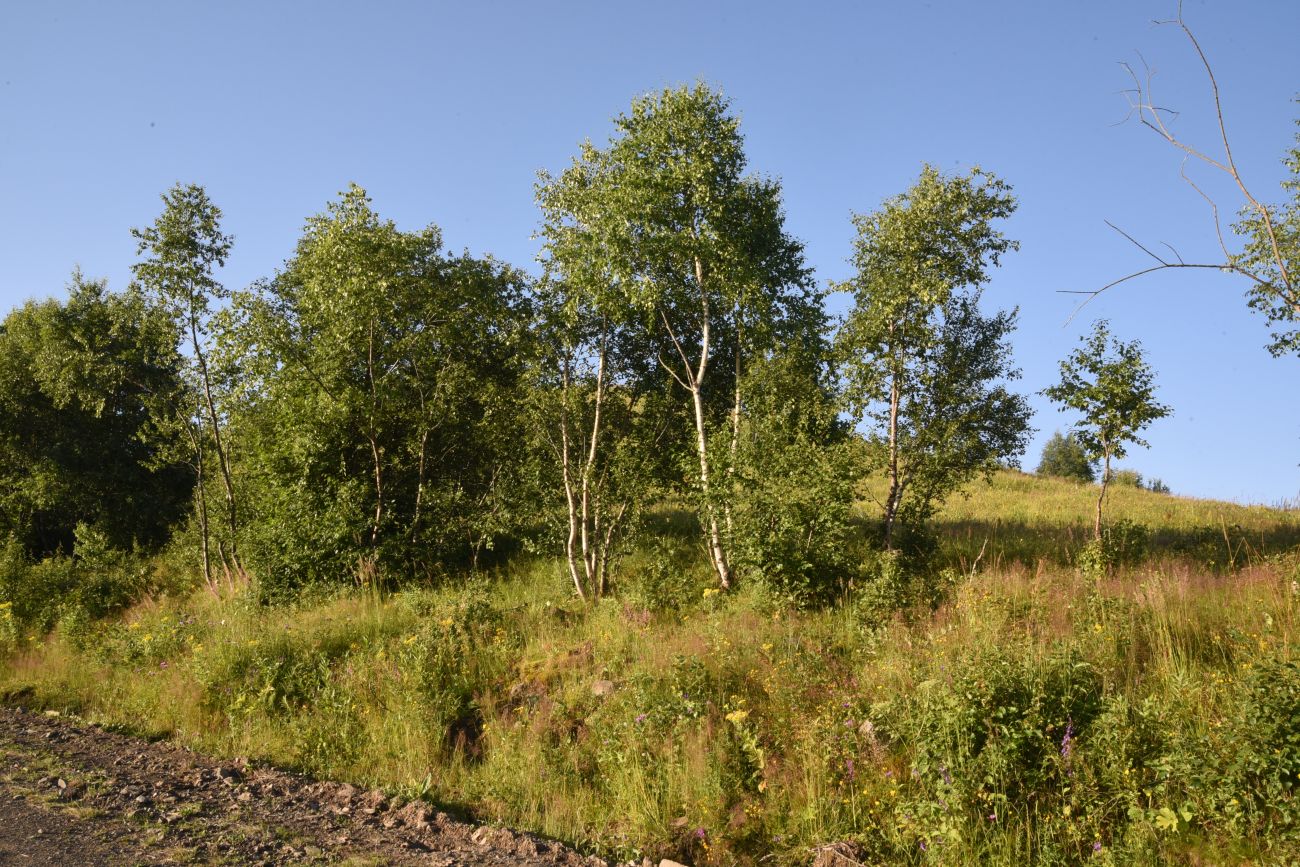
column 1122, row 543
column 900, row 581
column 182, row 249
column 459, row 650
column 1268, row 760
column 605, row 433
column 664, row 230
column 1109, row 383
column 996, row 733
column 662, row 577
column 1271, row 259
column 923, row 365
column 1126, row 478
column 87, row 388
column 793, row 522
column 94, row 582
column 378, row 402
column 185, row 245
column 1065, row 457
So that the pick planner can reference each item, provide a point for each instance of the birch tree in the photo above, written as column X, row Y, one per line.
column 1268, row 254
column 679, row 239
column 1109, row 383
column 923, row 366
column 183, row 248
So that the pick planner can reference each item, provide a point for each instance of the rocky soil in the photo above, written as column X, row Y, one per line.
column 74, row 794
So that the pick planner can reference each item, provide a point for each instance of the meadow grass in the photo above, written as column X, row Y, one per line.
column 1036, row 714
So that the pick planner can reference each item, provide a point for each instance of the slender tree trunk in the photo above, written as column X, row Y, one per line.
column 735, row 432
column 566, row 474
column 379, row 492
column 717, row 552
column 590, row 521
column 1105, row 480
column 375, row 454
column 223, row 457
column 895, row 488
column 202, row 497
column 695, row 381
column 419, row 481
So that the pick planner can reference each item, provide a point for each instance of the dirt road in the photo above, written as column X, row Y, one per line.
column 73, row 794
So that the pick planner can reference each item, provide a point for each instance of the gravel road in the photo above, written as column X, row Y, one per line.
column 73, row 794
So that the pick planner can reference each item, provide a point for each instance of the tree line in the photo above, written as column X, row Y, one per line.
column 386, row 409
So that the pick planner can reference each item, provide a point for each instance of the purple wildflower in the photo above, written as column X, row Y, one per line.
column 848, row 768
column 1096, row 846
column 1067, row 747
column 947, row 777
column 700, row 833
column 642, row 717
column 993, row 817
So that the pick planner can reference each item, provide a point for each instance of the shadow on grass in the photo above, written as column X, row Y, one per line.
column 1218, row 548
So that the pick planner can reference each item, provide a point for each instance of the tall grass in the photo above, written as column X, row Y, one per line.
column 1037, row 715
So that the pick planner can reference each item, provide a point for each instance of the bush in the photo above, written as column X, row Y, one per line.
column 93, row 583
column 664, row 578
column 794, row 512
column 1065, row 457
column 997, row 733
column 1268, row 765
column 894, row 582
column 1126, row 478
column 1122, row 543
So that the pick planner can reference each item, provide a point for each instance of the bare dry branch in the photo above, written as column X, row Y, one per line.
column 1157, row 118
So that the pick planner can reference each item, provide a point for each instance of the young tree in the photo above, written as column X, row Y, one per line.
column 602, row 420
column 1109, row 383
column 671, row 233
column 923, row 365
column 1065, row 457
column 184, row 246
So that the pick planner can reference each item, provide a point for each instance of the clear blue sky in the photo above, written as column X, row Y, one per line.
column 445, row 112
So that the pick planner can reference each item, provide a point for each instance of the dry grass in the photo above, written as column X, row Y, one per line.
column 738, row 729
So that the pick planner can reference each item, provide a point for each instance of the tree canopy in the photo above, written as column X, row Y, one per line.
column 1110, row 385
column 924, row 367
column 87, row 388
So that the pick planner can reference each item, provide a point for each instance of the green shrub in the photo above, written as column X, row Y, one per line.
column 663, row 578
column 1122, row 543
column 95, row 582
column 999, row 732
column 1065, row 457
column 895, row 583
column 1267, row 769
column 1126, row 478
column 461, row 649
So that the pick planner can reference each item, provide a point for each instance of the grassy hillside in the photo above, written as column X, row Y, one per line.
column 1035, row 713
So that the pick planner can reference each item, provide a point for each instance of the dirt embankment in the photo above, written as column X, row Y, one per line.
column 77, row 794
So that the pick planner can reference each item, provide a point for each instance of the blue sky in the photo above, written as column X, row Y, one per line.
column 446, row 111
